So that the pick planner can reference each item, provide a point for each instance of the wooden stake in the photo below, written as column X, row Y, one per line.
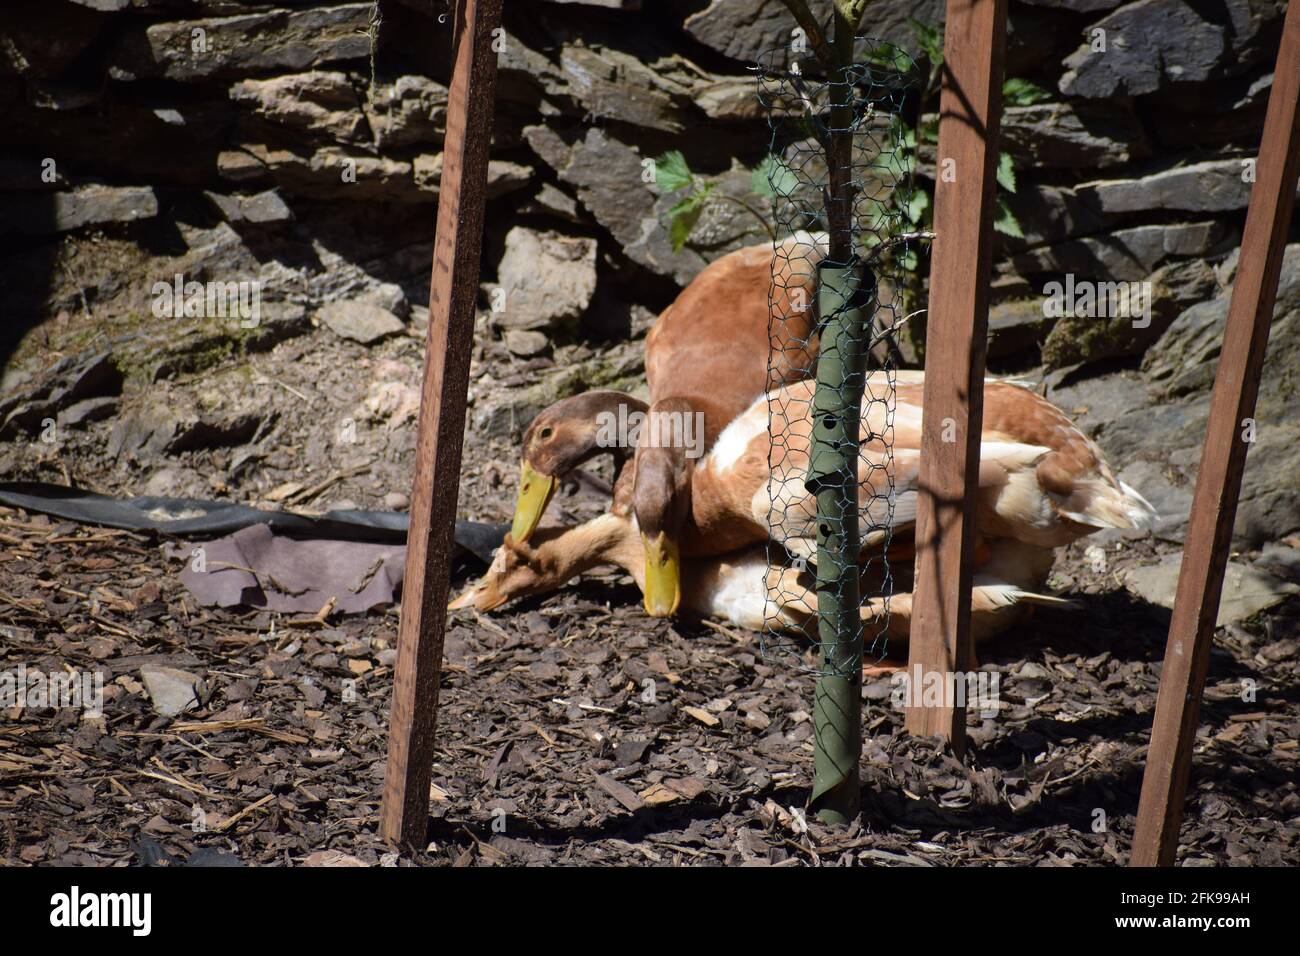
column 1214, row 506
column 452, row 292
column 970, row 106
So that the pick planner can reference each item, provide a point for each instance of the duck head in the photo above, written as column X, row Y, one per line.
column 563, row 437
column 661, row 502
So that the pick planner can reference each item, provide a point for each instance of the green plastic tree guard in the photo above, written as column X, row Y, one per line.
column 846, row 293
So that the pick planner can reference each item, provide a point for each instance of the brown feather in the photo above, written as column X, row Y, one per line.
column 1041, row 480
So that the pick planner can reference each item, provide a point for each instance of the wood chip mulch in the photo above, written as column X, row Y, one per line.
column 574, row 730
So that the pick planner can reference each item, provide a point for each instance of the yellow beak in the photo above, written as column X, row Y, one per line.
column 663, row 576
column 535, row 492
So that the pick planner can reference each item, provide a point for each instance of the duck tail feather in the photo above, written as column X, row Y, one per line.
column 1142, row 513
column 1002, row 594
column 1111, row 507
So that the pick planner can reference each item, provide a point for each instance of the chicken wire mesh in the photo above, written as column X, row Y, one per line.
column 877, row 90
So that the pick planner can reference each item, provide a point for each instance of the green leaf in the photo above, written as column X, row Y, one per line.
column 672, row 173
column 896, row 163
column 1018, row 92
column 888, row 56
column 683, row 216
column 682, row 224
column 772, row 178
column 930, row 39
column 1005, row 221
column 918, row 206
column 875, row 222
column 1006, row 173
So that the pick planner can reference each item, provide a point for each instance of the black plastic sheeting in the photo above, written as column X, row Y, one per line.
column 194, row 518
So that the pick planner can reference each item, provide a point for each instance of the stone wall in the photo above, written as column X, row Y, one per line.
column 154, row 117
column 240, row 139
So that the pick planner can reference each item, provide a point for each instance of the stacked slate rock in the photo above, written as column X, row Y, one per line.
column 299, row 143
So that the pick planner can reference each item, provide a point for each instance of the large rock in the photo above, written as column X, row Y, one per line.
column 728, row 99
column 526, row 76
column 611, row 84
column 504, row 413
column 553, row 201
column 410, row 111
column 363, row 322
column 1078, row 135
column 1169, row 492
column 1252, row 35
column 237, row 166
column 1187, row 355
column 259, row 209
column 70, row 381
column 607, row 176
column 526, row 343
column 1079, row 339
column 1126, row 254
column 1218, row 112
column 335, row 173
column 744, row 29
column 547, row 280
column 321, row 103
column 1211, row 186
column 1165, row 427
column 1015, row 326
column 606, row 75
column 232, row 47
column 1047, row 215
column 1149, row 44
column 502, row 176
column 174, row 423
column 1246, row 590
column 47, row 213
column 41, row 39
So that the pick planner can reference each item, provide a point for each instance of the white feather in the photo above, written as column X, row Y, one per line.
column 735, row 438
column 1140, row 511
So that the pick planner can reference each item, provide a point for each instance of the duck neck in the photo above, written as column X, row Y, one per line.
column 609, row 539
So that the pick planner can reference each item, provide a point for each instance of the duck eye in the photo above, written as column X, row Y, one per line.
column 545, row 433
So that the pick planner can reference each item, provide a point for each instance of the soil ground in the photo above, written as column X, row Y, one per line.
column 574, row 729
